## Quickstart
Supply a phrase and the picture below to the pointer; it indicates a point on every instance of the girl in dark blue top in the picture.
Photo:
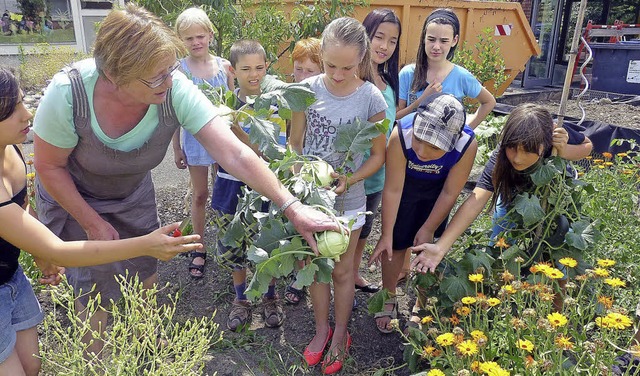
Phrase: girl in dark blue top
(19, 309)
(429, 158)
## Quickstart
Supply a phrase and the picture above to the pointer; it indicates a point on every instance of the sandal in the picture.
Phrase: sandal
(195, 267)
(411, 323)
(392, 315)
(293, 295)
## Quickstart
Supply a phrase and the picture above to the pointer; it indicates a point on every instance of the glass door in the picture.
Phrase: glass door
(545, 23)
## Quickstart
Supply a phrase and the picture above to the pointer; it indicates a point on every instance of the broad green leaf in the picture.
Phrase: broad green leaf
(583, 234)
(257, 255)
(511, 253)
(306, 274)
(529, 208)
(475, 259)
(543, 175)
(270, 235)
(264, 133)
(355, 137)
(456, 287)
(295, 97)
(234, 233)
(375, 303)
(325, 269)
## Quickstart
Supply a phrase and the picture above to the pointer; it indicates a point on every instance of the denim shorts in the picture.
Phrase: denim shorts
(19, 310)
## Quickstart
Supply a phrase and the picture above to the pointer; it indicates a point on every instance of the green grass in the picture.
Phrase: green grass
(56, 36)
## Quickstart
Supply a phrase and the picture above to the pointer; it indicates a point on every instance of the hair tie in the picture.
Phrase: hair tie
(447, 15)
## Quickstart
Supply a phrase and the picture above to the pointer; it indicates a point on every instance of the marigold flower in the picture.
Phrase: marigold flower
(463, 311)
(601, 272)
(509, 289)
(563, 342)
(553, 273)
(597, 161)
(29, 162)
(476, 278)
(468, 300)
(506, 276)
(569, 262)
(467, 347)
(502, 243)
(435, 372)
(31, 155)
(635, 350)
(626, 171)
(454, 320)
(618, 321)
(525, 345)
(493, 302)
(428, 351)
(607, 155)
(427, 320)
(517, 323)
(615, 282)
(608, 164)
(539, 267)
(529, 362)
(446, 339)
(31, 176)
(478, 334)
(601, 166)
(606, 301)
(546, 296)
(557, 319)
(606, 263)
(622, 155)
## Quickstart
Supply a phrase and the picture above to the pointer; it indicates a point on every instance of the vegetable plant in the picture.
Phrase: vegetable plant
(271, 241)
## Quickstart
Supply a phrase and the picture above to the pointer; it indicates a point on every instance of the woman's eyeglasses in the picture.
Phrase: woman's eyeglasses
(155, 83)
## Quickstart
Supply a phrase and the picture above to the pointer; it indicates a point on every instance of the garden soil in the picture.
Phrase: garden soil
(267, 351)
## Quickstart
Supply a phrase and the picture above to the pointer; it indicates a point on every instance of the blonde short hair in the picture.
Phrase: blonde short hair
(131, 41)
(308, 48)
(193, 16)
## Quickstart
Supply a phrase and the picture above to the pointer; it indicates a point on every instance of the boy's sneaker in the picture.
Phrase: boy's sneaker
(240, 315)
(272, 312)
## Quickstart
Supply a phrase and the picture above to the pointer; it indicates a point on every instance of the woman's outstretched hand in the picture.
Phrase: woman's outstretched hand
(308, 221)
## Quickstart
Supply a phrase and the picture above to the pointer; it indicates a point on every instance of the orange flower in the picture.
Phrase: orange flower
(463, 311)
(607, 155)
(502, 243)
(529, 362)
(606, 301)
(563, 342)
(506, 276)
(454, 320)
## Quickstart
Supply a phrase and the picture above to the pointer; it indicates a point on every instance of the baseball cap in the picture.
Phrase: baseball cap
(439, 121)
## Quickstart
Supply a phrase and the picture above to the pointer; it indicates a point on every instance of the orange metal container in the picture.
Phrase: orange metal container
(507, 20)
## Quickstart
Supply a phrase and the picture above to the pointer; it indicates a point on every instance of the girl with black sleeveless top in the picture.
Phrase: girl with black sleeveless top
(20, 311)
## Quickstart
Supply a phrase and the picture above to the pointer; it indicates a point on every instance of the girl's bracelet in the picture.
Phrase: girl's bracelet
(288, 203)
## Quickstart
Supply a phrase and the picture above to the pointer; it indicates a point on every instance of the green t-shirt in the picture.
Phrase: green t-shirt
(53, 121)
(375, 182)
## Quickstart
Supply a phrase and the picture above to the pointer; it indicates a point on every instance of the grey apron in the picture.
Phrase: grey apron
(118, 186)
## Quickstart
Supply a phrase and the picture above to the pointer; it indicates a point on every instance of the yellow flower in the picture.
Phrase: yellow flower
(557, 319)
(31, 175)
(601, 272)
(602, 322)
(635, 350)
(601, 166)
(435, 372)
(478, 335)
(476, 278)
(509, 289)
(609, 164)
(493, 302)
(468, 300)
(563, 342)
(597, 161)
(626, 171)
(525, 344)
(540, 267)
(568, 262)
(467, 347)
(553, 273)
(588, 157)
(463, 311)
(606, 263)
(502, 243)
(618, 321)
(427, 320)
(428, 351)
(446, 339)
(622, 155)
(606, 301)
(615, 282)
(31, 155)
(607, 155)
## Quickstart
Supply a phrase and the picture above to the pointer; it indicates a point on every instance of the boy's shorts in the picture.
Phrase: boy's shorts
(19, 310)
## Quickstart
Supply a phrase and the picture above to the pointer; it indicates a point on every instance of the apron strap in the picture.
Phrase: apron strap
(80, 100)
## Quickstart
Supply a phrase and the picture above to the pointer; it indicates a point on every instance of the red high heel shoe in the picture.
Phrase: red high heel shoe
(336, 365)
(313, 357)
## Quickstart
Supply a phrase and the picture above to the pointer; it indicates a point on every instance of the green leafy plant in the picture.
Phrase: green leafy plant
(277, 246)
(143, 338)
(43, 61)
(484, 60)
(487, 133)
